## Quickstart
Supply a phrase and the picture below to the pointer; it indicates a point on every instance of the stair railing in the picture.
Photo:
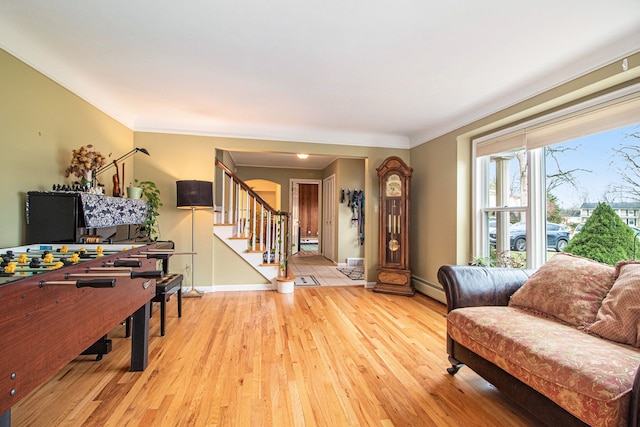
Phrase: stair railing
(265, 228)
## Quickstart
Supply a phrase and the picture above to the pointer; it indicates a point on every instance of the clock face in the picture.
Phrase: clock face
(393, 186)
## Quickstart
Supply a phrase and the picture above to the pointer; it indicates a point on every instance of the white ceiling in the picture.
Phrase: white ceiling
(280, 160)
(388, 73)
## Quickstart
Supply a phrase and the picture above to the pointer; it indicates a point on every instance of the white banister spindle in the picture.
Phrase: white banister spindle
(239, 209)
(243, 211)
(279, 237)
(222, 215)
(253, 225)
(269, 234)
(261, 240)
(231, 199)
(238, 201)
(246, 205)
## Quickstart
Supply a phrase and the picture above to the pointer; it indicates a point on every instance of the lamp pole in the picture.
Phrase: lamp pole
(193, 194)
(193, 293)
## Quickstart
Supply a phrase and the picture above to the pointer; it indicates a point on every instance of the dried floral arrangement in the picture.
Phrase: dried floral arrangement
(84, 159)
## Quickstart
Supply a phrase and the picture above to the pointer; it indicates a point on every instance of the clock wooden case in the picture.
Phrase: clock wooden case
(393, 273)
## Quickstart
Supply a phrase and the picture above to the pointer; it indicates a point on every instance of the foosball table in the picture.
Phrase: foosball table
(56, 302)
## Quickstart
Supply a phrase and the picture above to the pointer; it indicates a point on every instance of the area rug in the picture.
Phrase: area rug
(310, 247)
(306, 281)
(353, 273)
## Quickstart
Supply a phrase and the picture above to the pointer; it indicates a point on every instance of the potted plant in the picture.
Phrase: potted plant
(134, 191)
(149, 229)
(84, 162)
(285, 280)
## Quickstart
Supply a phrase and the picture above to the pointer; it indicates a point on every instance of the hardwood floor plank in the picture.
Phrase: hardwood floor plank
(322, 356)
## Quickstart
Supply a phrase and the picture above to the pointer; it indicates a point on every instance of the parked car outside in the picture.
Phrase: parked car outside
(557, 236)
(578, 228)
(492, 225)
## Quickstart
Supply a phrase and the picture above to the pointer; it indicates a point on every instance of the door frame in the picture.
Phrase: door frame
(294, 209)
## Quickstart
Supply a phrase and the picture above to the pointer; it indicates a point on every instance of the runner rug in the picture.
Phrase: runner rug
(354, 273)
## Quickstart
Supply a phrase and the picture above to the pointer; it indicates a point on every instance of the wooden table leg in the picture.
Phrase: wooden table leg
(140, 338)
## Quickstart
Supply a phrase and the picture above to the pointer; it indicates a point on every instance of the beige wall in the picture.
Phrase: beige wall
(230, 269)
(177, 157)
(350, 174)
(279, 176)
(269, 191)
(40, 123)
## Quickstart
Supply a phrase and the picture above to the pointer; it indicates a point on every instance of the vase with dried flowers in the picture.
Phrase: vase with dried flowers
(84, 162)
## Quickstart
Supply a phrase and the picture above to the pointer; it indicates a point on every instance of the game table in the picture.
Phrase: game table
(52, 313)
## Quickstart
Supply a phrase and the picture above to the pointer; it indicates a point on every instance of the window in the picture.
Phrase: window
(532, 186)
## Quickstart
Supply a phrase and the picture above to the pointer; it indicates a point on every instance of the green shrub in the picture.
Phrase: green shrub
(604, 237)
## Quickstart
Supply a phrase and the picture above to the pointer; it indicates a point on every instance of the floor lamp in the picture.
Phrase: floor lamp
(194, 195)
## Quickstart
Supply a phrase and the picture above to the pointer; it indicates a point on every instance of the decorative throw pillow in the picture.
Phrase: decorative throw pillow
(619, 317)
(568, 288)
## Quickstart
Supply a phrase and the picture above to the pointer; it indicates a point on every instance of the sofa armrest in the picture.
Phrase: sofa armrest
(634, 405)
(471, 286)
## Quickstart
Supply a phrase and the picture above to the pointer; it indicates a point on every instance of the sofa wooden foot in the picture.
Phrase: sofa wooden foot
(455, 366)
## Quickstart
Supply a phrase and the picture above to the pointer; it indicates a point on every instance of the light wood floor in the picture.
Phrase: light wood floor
(323, 356)
(306, 263)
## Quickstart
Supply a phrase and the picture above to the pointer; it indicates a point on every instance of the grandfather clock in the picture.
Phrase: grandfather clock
(393, 274)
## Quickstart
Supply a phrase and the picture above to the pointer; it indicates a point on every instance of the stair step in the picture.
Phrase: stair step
(239, 244)
(236, 237)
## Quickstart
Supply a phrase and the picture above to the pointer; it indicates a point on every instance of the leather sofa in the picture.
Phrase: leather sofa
(470, 288)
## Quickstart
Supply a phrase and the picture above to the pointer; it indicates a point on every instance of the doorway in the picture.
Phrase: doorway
(308, 213)
(305, 213)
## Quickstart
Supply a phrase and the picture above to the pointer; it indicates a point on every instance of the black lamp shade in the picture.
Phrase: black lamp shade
(198, 194)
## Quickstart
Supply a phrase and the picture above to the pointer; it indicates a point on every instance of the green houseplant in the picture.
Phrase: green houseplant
(150, 229)
(282, 240)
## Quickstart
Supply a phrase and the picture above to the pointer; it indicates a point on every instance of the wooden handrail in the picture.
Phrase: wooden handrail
(245, 186)
(246, 201)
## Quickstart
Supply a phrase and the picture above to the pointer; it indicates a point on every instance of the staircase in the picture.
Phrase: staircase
(252, 228)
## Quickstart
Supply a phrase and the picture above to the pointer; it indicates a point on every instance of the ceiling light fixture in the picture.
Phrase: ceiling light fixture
(303, 156)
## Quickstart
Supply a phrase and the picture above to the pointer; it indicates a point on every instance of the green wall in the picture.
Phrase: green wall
(40, 123)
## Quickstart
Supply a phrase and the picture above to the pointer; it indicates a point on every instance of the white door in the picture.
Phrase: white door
(329, 217)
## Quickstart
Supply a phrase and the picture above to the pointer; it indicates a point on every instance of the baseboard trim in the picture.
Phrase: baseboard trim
(241, 288)
(429, 289)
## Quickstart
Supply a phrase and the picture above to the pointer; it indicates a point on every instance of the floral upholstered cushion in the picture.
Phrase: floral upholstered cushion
(588, 376)
(619, 317)
(568, 288)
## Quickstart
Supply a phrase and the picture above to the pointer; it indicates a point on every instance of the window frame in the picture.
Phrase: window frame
(608, 112)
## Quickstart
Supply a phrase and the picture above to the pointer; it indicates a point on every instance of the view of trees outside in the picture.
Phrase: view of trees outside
(604, 167)
(604, 238)
(599, 168)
